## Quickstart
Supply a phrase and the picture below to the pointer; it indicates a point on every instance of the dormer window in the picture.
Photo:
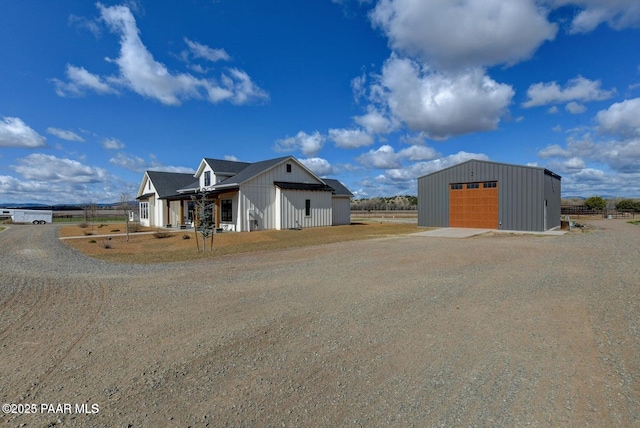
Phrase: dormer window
(207, 178)
(288, 167)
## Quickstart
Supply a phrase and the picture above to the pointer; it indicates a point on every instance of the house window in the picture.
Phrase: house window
(207, 178)
(473, 186)
(288, 167)
(307, 207)
(457, 186)
(144, 210)
(489, 184)
(226, 211)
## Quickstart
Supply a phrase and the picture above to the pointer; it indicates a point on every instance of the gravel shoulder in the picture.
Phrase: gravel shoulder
(504, 330)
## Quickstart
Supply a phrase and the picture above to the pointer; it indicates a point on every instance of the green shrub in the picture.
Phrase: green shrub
(115, 230)
(92, 241)
(83, 225)
(161, 235)
(185, 236)
(88, 233)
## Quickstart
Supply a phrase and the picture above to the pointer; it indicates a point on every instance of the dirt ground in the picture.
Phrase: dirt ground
(495, 330)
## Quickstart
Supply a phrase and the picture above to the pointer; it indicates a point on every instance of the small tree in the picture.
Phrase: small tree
(595, 203)
(127, 208)
(204, 219)
(91, 212)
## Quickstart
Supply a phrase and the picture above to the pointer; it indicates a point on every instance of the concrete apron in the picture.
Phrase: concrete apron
(462, 232)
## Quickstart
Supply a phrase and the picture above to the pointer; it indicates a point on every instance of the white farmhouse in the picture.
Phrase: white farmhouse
(277, 194)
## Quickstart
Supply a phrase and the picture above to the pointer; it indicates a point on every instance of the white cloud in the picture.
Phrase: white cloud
(577, 89)
(79, 80)
(350, 138)
(382, 158)
(374, 122)
(15, 133)
(112, 144)
(141, 73)
(65, 134)
(41, 167)
(319, 166)
(618, 14)
(553, 151)
(575, 108)
(205, 52)
(622, 119)
(386, 157)
(308, 144)
(138, 164)
(442, 105)
(464, 33)
(418, 153)
(553, 110)
(409, 174)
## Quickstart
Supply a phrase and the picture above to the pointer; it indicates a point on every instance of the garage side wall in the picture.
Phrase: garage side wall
(521, 192)
(552, 193)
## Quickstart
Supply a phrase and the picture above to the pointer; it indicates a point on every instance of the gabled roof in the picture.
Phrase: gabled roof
(339, 189)
(220, 166)
(166, 183)
(546, 171)
(252, 170)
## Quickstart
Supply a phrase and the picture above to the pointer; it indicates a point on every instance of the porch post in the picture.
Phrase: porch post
(217, 221)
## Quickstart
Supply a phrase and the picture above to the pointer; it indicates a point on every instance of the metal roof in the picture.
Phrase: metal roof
(286, 185)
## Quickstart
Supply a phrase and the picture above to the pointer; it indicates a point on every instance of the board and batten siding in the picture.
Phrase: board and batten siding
(255, 202)
(341, 210)
(258, 201)
(293, 205)
(522, 191)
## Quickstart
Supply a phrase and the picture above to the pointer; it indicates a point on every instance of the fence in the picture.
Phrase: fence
(81, 215)
(384, 213)
(578, 211)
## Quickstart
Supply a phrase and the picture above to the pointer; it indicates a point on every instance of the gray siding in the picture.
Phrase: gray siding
(521, 194)
(341, 210)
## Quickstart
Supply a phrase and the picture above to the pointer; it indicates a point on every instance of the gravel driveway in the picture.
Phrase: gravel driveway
(494, 330)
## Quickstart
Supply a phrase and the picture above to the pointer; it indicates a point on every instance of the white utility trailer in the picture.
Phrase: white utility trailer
(27, 216)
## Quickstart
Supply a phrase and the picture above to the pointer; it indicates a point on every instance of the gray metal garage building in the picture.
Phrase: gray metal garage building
(490, 195)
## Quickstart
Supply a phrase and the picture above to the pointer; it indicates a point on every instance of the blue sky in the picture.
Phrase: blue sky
(375, 93)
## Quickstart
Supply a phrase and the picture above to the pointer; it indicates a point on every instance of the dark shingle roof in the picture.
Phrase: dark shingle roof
(339, 189)
(166, 183)
(251, 171)
(220, 166)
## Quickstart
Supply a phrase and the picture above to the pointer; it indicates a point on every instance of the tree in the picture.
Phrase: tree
(595, 203)
(127, 208)
(204, 219)
(628, 205)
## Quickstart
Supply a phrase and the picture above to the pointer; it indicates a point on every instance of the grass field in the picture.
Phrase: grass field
(181, 245)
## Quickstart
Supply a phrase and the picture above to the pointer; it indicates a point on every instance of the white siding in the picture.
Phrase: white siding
(279, 173)
(292, 209)
(174, 213)
(341, 210)
(259, 201)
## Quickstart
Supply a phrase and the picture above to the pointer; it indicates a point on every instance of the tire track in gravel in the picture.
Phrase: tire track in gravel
(52, 307)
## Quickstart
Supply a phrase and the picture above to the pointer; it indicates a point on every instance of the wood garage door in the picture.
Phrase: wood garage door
(474, 205)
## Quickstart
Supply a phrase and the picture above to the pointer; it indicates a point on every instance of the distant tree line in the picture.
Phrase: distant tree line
(394, 203)
(598, 203)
